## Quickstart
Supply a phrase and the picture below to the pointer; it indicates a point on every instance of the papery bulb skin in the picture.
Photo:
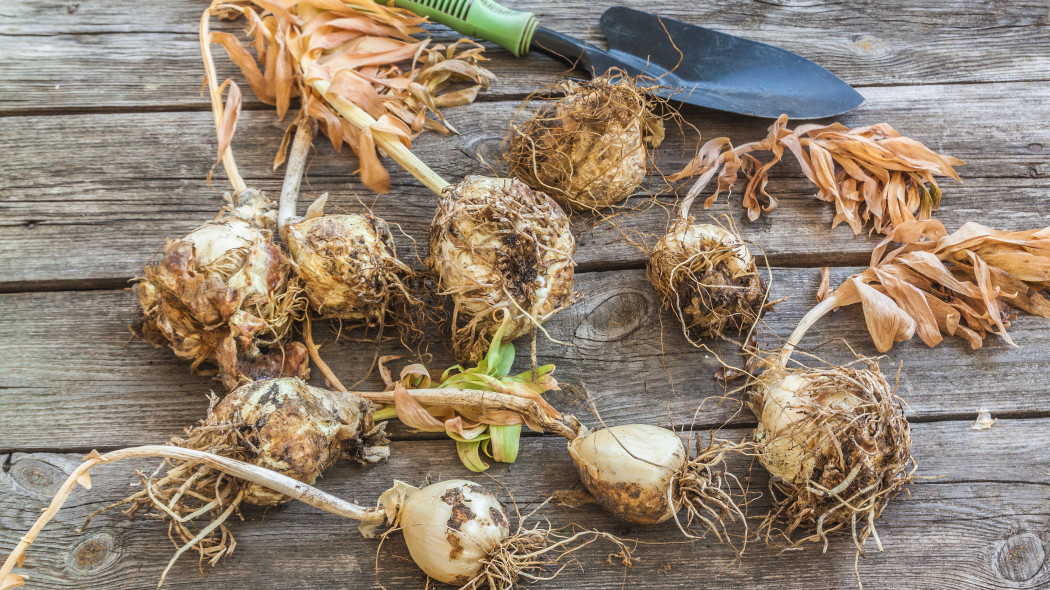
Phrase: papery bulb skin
(629, 470)
(450, 527)
(706, 275)
(290, 427)
(222, 294)
(589, 147)
(497, 247)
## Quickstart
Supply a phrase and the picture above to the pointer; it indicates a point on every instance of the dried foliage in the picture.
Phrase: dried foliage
(223, 294)
(350, 271)
(961, 284)
(873, 175)
(366, 52)
(706, 275)
(283, 425)
(588, 145)
(838, 447)
(503, 254)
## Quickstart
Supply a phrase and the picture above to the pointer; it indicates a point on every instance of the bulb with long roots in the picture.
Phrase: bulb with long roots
(706, 275)
(503, 254)
(224, 293)
(589, 147)
(283, 425)
(348, 263)
(836, 443)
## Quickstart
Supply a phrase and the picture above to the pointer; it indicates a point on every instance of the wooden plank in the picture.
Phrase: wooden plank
(982, 523)
(73, 379)
(94, 198)
(119, 55)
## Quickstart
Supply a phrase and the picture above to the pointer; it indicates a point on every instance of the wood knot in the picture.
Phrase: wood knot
(36, 477)
(869, 46)
(616, 317)
(1021, 557)
(483, 148)
(91, 553)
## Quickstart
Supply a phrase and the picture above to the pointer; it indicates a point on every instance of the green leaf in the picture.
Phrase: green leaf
(459, 368)
(469, 455)
(385, 413)
(505, 361)
(505, 441)
(500, 355)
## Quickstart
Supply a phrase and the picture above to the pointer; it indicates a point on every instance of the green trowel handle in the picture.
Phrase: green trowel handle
(510, 29)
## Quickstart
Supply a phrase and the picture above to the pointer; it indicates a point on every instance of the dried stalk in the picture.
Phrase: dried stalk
(246, 471)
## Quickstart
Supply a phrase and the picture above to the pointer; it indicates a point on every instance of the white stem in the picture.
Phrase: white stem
(216, 105)
(804, 325)
(246, 471)
(391, 144)
(705, 178)
(293, 174)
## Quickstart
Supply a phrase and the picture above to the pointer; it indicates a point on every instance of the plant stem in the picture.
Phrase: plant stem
(246, 471)
(711, 172)
(478, 399)
(293, 174)
(216, 105)
(804, 325)
(315, 356)
(391, 144)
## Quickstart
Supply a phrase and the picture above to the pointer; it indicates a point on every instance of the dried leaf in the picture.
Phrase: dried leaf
(412, 413)
(874, 176)
(13, 581)
(886, 321)
(230, 112)
(84, 480)
(958, 284)
(825, 284)
(368, 53)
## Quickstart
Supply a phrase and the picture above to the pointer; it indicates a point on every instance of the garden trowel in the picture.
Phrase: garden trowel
(683, 62)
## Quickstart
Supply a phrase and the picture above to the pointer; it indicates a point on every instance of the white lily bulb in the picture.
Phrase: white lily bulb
(450, 527)
(629, 468)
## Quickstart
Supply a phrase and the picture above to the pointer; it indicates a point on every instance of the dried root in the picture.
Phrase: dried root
(499, 251)
(588, 148)
(283, 425)
(705, 490)
(705, 274)
(223, 294)
(536, 553)
(838, 447)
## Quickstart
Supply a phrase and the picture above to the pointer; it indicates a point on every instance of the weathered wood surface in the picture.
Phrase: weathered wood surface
(975, 526)
(75, 381)
(114, 186)
(107, 141)
(127, 57)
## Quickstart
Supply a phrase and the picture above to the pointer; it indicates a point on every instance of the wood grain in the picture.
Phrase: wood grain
(118, 55)
(960, 530)
(107, 141)
(93, 199)
(71, 373)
